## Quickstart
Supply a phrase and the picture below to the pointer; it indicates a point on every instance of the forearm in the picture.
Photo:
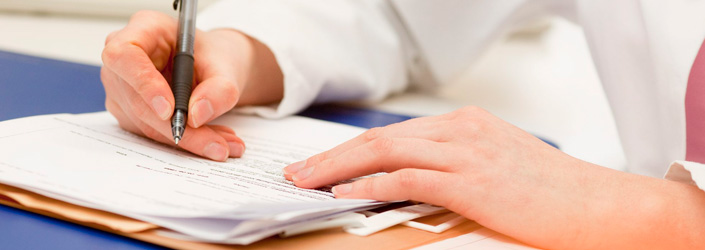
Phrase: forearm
(598, 208)
(639, 212)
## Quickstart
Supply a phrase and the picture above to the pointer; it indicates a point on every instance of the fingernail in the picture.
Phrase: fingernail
(236, 149)
(342, 189)
(303, 174)
(161, 107)
(215, 151)
(294, 167)
(201, 112)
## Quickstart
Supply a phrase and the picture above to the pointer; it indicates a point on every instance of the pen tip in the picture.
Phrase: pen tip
(178, 124)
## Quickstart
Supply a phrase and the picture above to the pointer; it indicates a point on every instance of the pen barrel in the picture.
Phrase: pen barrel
(187, 26)
(182, 80)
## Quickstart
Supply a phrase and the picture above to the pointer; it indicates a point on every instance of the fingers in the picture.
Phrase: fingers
(423, 128)
(236, 145)
(380, 155)
(210, 99)
(206, 142)
(216, 67)
(152, 31)
(215, 142)
(122, 119)
(130, 101)
(126, 123)
(136, 61)
(110, 37)
(137, 53)
(140, 75)
(407, 184)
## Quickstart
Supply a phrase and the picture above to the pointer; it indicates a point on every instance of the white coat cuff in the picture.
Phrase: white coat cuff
(692, 173)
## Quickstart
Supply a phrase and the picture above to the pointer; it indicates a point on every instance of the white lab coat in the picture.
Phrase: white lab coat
(366, 49)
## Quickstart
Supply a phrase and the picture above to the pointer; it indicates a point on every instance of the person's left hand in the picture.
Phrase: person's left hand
(468, 161)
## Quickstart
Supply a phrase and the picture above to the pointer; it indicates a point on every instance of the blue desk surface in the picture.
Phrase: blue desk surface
(35, 86)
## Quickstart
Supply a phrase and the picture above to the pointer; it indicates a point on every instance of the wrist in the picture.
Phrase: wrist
(634, 211)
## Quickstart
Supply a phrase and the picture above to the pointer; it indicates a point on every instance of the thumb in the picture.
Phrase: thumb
(210, 99)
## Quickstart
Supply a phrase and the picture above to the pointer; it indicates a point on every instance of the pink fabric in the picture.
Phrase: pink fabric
(695, 110)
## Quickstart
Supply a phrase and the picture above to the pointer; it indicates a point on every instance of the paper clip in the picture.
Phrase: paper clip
(378, 222)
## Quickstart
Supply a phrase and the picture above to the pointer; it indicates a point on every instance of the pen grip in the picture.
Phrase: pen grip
(182, 80)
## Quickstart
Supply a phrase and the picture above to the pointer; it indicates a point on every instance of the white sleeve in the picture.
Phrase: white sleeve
(327, 50)
(688, 172)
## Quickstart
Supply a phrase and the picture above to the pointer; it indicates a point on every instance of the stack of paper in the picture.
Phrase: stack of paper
(89, 161)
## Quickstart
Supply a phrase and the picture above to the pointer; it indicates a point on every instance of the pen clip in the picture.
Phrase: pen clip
(176, 4)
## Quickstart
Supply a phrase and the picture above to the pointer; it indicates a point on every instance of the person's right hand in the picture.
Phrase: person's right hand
(137, 62)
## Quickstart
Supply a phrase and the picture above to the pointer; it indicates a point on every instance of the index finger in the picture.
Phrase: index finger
(422, 128)
(136, 53)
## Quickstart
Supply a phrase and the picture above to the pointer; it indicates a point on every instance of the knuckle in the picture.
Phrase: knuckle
(467, 112)
(130, 127)
(229, 87)
(142, 88)
(419, 187)
(327, 164)
(109, 80)
(407, 179)
(111, 53)
(138, 110)
(110, 107)
(148, 18)
(231, 92)
(110, 36)
(224, 129)
(470, 119)
(143, 14)
(382, 146)
(160, 62)
(146, 86)
(316, 159)
(127, 126)
(472, 110)
(368, 186)
(150, 132)
(104, 76)
(473, 126)
(373, 133)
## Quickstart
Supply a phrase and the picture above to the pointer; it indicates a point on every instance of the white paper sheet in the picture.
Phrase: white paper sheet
(88, 160)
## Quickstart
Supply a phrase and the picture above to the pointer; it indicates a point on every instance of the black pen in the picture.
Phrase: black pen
(182, 73)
